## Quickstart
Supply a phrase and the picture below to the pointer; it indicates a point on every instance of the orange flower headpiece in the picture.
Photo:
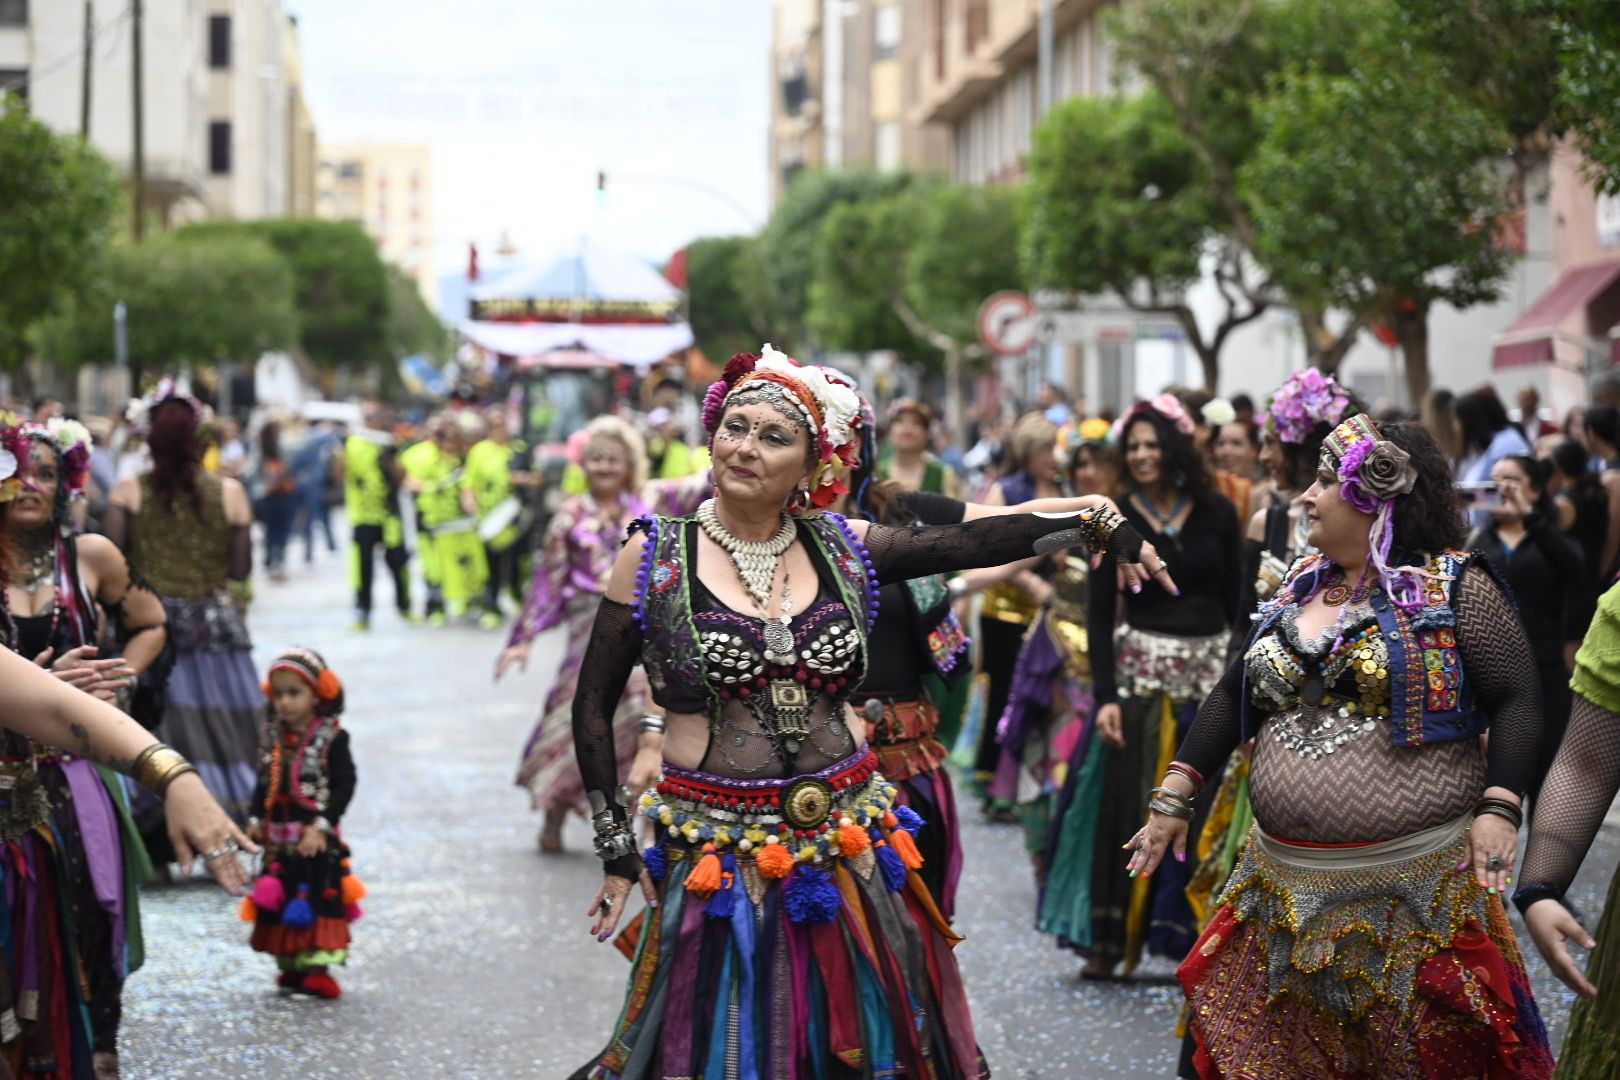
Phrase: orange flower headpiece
(310, 666)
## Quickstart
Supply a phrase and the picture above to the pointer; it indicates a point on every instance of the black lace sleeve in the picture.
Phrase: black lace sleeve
(240, 565)
(610, 657)
(1218, 727)
(900, 554)
(1498, 661)
(1579, 790)
(340, 776)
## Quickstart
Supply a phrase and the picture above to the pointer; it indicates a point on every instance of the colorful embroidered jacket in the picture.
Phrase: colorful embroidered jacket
(1430, 700)
(675, 665)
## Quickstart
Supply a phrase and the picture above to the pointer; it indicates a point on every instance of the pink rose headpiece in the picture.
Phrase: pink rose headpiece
(1372, 473)
(1304, 400)
(1166, 405)
(69, 440)
(822, 400)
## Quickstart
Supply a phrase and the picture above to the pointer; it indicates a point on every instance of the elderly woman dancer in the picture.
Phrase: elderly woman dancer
(582, 540)
(792, 936)
(1361, 933)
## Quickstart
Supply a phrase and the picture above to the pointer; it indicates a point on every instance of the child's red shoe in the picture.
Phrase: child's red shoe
(322, 985)
(291, 981)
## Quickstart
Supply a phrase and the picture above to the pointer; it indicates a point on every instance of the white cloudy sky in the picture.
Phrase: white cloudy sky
(522, 101)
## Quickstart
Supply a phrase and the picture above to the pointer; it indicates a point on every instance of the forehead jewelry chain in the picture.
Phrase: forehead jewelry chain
(755, 560)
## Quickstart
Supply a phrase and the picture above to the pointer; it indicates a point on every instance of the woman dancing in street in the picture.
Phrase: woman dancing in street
(1361, 933)
(1580, 788)
(59, 588)
(1149, 677)
(791, 935)
(582, 540)
(188, 536)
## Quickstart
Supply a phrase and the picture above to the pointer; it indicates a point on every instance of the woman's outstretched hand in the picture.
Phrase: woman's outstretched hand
(199, 827)
(1552, 928)
(1161, 834)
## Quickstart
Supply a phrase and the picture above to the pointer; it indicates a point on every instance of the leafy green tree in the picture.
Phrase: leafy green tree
(187, 301)
(1364, 203)
(1118, 201)
(723, 321)
(908, 272)
(59, 199)
(413, 327)
(340, 283)
(1588, 81)
(782, 260)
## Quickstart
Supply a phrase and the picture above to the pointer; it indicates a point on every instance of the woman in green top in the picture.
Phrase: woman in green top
(1574, 800)
(906, 459)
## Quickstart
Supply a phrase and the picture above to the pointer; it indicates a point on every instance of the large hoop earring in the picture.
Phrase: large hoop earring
(799, 503)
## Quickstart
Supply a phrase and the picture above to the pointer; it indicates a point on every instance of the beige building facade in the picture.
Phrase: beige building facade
(223, 112)
(388, 191)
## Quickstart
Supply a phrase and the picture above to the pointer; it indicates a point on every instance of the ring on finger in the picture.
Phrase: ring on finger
(1494, 862)
(217, 853)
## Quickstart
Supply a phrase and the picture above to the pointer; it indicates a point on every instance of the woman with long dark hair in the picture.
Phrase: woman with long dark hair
(1362, 932)
(1151, 668)
(187, 535)
(70, 859)
(1543, 568)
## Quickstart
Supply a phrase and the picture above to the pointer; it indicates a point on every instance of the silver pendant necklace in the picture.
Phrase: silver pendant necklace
(41, 570)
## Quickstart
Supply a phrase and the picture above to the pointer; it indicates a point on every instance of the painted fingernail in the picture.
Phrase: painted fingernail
(1133, 873)
(1126, 846)
(1174, 591)
(1181, 856)
(652, 903)
(1136, 588)
(1491, 889)
(1462, 866)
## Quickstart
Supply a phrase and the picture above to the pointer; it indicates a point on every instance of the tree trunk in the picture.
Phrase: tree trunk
(1325, 350)
(1410, 320)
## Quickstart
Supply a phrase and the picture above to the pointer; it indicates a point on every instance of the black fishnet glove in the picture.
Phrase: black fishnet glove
(1575, 798)
(900, 554)
(1498, 661)
(610, 657)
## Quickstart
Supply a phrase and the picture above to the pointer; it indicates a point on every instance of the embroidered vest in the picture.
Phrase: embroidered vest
(663, 602)
(1431, 700)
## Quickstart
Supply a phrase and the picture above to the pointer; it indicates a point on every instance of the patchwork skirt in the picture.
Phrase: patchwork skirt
(793, 938)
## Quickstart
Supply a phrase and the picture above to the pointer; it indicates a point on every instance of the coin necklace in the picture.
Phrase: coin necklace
(755, 562)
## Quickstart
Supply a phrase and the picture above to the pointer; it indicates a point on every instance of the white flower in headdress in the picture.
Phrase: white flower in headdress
(840, 404)
(8, 464)
(68, 433)
(1218, 412)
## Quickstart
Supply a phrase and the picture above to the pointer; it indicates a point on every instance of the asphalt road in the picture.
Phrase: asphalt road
(473, 960)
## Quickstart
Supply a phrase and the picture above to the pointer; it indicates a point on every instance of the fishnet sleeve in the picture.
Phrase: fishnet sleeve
(1575, 799)
(900, 554)
(610, 656)
(1497, 660)
(1218, 727)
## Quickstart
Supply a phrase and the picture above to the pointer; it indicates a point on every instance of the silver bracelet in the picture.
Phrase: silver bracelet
(652, 725)
(957, 588)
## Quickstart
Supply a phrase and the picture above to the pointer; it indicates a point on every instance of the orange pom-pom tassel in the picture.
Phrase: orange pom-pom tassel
(249, 911)
(265, 686)
(328, 686)
(905, 847)
(705, 877)
(890, 821)
(354, 890)
(852, 840)
(774, 861)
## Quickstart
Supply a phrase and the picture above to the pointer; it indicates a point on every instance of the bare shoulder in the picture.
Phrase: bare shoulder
(858, 526)
(98, 552)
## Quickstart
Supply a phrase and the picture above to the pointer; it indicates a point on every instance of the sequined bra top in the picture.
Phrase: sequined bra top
(733, 645)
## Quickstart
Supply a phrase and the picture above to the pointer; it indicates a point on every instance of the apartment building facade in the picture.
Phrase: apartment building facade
(223, 112)
(388, 191)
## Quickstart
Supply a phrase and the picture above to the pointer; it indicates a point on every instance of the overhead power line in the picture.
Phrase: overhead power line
(41, 71)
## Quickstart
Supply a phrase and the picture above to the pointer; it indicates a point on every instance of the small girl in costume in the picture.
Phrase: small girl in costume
(302, 905)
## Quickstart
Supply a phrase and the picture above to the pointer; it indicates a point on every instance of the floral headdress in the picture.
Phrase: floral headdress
(139, 413)
(1218, 412)
(1306, 399)
(70, 441)
(1167, 406)
(1373, 472)
(822, 399)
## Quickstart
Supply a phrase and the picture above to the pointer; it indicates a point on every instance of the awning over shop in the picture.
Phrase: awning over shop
(636, 345)
(1532, 337)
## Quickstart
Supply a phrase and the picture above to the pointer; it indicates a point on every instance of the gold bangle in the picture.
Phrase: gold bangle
(158, 766)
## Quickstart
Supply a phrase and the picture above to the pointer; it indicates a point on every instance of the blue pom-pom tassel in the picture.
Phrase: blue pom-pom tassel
(811, 896)
(724, 901)
(909, 819)
(894, 870)
(656, 862)
(298, 914)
